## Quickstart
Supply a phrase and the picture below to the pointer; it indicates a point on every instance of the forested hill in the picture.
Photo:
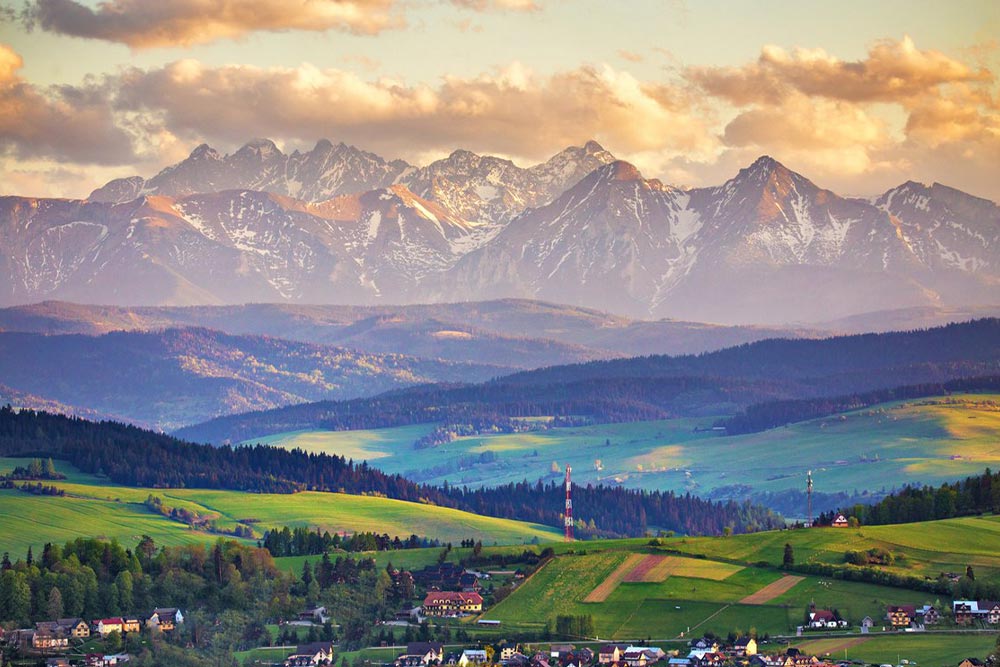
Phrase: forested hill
(973, 495)
(659, 387)
(135, 457)
(966, 343)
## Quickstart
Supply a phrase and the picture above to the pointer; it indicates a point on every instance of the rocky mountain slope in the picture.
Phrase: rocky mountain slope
(338, 225)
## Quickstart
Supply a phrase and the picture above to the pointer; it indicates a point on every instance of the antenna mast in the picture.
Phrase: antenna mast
(809, 497)
(568, 515)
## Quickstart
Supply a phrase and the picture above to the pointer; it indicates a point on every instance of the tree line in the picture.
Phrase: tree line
(300, 541)
(977, 494)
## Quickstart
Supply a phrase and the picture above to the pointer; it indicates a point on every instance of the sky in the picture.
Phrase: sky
(857, 96)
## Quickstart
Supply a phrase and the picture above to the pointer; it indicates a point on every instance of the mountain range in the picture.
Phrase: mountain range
(340, 225)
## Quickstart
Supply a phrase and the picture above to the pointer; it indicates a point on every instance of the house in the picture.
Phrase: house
(48, 636)
(469, 583)
(439, 603)
(986, 611)
(822, 618)
(57, 662)
(609, 653)
(131, 624)
(705, 644)
(971, 662)
(428, 652)
(745, 647)
(165, 619)
(507, 652)
(315, 615)
(930, 615)
(901, 616)
(100, 660)
(516, 660)
(965, 611)
(866, 624)
(77, 628)
(106, 626)
(840, 521)
(557, 650)
(473, 657)
(714, 659)
(317, 653)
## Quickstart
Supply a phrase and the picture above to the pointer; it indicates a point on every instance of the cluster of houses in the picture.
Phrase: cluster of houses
(702, 652)
(57, 635)
(912, 617)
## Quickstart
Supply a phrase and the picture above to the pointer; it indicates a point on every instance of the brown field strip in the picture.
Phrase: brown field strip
(608, 586)
(772, 590)
(654, 569)
(648, 569)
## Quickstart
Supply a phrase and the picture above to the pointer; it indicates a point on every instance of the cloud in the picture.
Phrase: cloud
(61, 122)
(860, 124)
(140, 24)
(893, 71)
(498, 5)
(511, 111)
(630, 56)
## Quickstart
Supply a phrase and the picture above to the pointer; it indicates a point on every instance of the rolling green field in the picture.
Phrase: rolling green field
(94, 507)
(684, 604)
(921, 549)
(926, 440)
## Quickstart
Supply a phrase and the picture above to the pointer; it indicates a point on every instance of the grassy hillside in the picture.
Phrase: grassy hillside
(928, 440)
(93, 507)
(719, 585)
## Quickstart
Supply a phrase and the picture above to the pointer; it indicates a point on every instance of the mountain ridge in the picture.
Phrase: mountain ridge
(768, 246)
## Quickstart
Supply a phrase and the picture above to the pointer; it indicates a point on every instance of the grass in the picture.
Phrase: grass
(31, 521)
(928, 441)
(926, 650)
(921, 549)
(93, 507)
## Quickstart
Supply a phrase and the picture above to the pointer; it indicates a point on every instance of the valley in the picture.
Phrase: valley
(876, 449)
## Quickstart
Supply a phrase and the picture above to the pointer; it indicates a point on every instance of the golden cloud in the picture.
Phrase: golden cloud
(141, 24)
(65, 123)
(894, 71)
(511, 111)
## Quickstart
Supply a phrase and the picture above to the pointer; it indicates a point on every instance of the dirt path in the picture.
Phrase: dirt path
(771, 591)
(608, 586)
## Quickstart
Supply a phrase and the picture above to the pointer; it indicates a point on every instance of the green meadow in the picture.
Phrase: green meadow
(926, 441)
(921, 549)
(677, 605)
(93, 507)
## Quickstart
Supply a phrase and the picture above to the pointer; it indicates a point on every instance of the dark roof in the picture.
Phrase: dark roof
(313, 648)
(423, 648)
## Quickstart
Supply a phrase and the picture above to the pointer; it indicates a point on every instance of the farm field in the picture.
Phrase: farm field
(694, 596)
(927, 548)
(925, 440)
(93, 507)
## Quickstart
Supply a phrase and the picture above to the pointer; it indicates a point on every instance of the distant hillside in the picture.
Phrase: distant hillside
(136, 457)
(518, 333)
(658, 387)
(166, 379)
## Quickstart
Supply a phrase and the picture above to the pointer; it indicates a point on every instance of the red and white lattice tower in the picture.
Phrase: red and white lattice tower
(568, 515)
